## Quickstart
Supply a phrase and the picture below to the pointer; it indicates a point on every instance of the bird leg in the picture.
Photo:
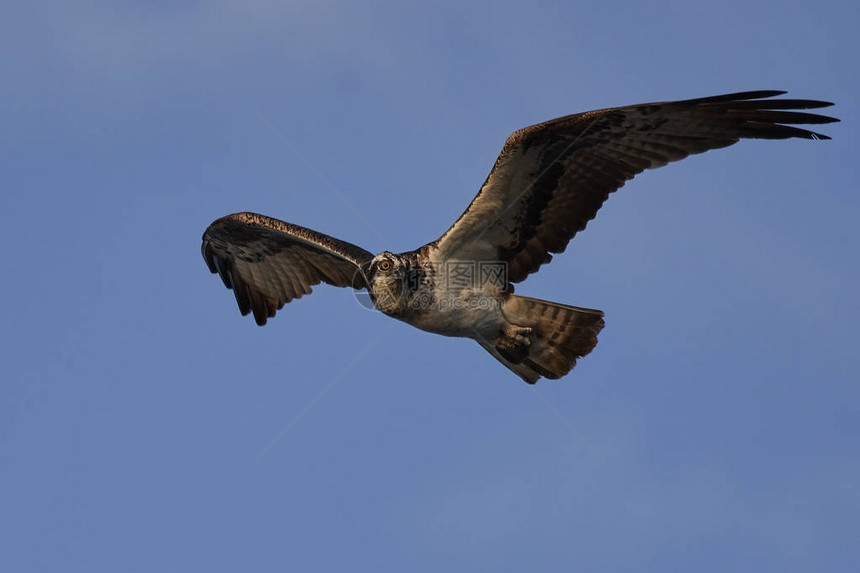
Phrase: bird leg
(514, 336)
(513, 343)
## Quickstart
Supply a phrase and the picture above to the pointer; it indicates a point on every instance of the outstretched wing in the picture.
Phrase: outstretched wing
(268, 263)
(550, 179)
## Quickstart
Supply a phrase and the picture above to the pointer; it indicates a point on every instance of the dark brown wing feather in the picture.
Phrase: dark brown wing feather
(550, 179)
(268, 263)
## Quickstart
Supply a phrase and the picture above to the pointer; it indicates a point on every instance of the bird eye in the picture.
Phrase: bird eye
(385, 266)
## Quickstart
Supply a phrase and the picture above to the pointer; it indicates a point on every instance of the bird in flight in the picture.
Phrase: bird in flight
(549, 180)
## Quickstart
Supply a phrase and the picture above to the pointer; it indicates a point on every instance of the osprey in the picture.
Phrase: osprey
(549, 180)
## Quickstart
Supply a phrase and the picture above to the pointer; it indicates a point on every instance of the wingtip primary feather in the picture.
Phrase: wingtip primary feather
(736, 96)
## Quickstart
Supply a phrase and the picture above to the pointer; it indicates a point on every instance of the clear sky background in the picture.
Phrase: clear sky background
(146, 426)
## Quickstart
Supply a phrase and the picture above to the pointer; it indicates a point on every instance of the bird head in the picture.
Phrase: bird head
(386, 280)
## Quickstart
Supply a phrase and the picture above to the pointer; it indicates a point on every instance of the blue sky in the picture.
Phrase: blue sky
(146, 426)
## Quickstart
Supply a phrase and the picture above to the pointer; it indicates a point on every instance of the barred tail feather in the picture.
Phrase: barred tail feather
(560, 334)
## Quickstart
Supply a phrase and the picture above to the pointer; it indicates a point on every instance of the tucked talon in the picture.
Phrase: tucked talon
(515, 336)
